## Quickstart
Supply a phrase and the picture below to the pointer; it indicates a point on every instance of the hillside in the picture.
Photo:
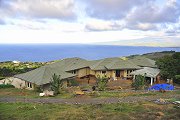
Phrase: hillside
(155, 55)
(10, 68)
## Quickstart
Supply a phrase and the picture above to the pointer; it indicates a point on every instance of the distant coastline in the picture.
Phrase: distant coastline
(49, 52)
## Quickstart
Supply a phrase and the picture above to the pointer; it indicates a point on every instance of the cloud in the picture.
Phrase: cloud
(2, 22)
(103, 26)
(151, 13)
(110, 9)
(58, 9)
(173, 31)
(138, 14)
(142, 26)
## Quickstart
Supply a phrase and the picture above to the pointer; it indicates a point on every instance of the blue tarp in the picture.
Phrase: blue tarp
(164, 86)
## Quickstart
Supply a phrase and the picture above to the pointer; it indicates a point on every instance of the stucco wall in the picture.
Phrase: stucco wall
(107, 74)
(113, 73)
(18, 83)
(83, 72)
(92, 72)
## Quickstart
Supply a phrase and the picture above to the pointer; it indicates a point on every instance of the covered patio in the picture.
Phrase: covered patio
(152, 73)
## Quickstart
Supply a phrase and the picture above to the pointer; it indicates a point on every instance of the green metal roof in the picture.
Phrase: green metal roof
(143, 61)
(43, 75)
(122, 65)
(69, 64)
(150, 72)
(113, 63)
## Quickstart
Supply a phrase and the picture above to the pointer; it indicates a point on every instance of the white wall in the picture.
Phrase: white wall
(18, 83)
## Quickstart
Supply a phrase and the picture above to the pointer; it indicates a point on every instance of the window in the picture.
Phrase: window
(29, 85)
(74, 72)
(103, 72)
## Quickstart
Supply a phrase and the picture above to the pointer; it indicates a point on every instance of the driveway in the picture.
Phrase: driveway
(80, 100)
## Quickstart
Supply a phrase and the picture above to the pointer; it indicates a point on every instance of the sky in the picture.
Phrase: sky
(90, 21)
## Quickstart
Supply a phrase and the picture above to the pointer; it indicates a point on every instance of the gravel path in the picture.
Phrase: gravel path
(128, 99)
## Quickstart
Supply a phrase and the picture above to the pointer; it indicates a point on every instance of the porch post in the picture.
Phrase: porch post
(134, 76)
(151, 80)
(155, 79)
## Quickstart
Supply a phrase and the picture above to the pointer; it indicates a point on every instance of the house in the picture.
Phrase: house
(68, 69)
(114, 68)
(149, 69)
(42, 76)
(78, 68)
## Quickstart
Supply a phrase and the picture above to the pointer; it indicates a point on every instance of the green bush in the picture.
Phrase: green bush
(56, 84)
(101, 82)
(6, 86)
(1, 78)
(38, 89)
(73, 83)
(177, 79)
(139, 82)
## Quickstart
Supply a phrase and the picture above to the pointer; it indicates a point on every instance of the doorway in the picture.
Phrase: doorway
(117, 73)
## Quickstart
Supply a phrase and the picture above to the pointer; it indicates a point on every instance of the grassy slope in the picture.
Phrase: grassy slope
(155, 55)
(27, 111)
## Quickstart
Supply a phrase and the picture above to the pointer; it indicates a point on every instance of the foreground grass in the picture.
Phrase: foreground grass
(19, 93)
(27, 111)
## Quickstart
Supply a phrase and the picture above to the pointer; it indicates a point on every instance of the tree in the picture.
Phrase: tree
(169, 66)
(56, 84)
(101, 82)
(177, 79)
(139, 82)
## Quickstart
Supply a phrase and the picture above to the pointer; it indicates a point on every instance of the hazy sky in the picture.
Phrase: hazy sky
(87, 21)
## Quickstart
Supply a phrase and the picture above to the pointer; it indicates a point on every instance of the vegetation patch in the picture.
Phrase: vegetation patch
(6, 86)
(148, 111)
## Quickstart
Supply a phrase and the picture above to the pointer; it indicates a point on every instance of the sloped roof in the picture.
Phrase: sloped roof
(113, 63)
(43, 75)
(122, 65)
(101, 64)
(150, 72)
(143, 61)
(69, 64)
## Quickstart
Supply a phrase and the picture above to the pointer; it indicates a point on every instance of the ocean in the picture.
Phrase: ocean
(49, 52)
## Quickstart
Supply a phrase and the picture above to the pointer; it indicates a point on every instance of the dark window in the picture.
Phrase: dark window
(117, 73)
(103, 72)
(29, 85)
(74, 72)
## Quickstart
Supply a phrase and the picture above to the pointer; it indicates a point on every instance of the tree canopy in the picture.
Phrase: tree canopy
(169, 65)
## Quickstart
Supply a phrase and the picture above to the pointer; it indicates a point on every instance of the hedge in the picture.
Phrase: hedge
(6, 86)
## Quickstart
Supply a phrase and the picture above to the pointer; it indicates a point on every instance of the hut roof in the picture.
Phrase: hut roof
(147, 71)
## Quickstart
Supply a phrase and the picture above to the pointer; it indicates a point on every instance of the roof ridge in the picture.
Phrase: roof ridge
(43, 74)
(113, 63)
(96, 64)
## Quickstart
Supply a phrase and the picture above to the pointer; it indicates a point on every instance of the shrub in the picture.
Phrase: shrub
(177, 79)
(6, 86)
(101, 82)
(1, 78)
(139, 82)
(73, 83)
(56, 84)
(38, 89)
